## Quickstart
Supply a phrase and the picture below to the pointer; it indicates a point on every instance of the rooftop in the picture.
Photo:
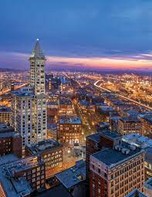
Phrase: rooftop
(4, 127)
(148, 118)
(55, 191)
(148, 184)
(148, 155)
(73, 175)
(69, 120)
(104, 133)
(7, 159)
(136, 193)
(15, 187)
(106, 109)
(7, 131)
(43, 146)
(113, 157)
(20, 165)
(4, 109)
(130, 119)
(103, 124)
(65, 101)
(95, 137)
(25, 91)
(110, 134)
(138, 140)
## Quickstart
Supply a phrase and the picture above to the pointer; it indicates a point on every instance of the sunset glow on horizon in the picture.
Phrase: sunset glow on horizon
(101, 62)
(118, 63)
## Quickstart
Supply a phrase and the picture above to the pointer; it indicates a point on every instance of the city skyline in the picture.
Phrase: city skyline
(75, 98)
(96, 35)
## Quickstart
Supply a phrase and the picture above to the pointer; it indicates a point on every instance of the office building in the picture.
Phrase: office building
(116, 171)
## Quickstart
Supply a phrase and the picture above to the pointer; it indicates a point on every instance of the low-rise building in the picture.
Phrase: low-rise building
(144, 143)
(10, 141)
(50, 151)
(65, 106)
(70, 129)
(22, 177)
(5, 115)
(129, 125)
(73, 179)
(146, 125)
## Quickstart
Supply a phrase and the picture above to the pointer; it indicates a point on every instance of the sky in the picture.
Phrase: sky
(98, 34)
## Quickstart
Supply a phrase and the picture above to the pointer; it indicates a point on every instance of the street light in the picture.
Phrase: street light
(69, 151)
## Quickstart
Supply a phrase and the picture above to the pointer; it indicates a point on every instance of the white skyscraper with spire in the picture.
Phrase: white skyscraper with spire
(37, 74)
(29, 103)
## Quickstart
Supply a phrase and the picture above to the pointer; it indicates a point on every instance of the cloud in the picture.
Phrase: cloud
(119, 62)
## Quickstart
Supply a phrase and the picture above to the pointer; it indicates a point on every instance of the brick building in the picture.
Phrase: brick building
(50, 151)
(100, 140)
(146, 125)
(129, 125)
(116, 171)
(5, 115)
(69, 129)
(22, 177)
(10, 141)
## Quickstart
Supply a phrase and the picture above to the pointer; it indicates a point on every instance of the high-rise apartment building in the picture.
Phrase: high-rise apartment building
(29, 104)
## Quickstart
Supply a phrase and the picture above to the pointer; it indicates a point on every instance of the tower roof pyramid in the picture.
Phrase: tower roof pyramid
(37, 52)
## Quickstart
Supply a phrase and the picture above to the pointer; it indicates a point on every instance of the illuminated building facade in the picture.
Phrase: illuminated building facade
(10, 141)
(69, 129)
(22, 177)
(50, 151)
(5, 115)
(116, 172)
(29, 104)
(128, 125)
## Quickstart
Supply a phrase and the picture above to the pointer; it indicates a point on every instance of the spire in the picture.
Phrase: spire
(37, 52)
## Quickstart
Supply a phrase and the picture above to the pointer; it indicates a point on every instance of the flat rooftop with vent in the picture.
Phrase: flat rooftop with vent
(5, 128)
(12, 181)
(43, 146)
(21, 165)
(73, 175)
(4, 109)
(7, 131)
(23, 92)
(138, 140)
(70, 120)
(120, 153)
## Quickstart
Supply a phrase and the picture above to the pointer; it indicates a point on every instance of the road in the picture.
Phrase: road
(126, 98)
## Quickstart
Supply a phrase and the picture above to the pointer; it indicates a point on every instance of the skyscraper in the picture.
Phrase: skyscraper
(37, 74)
(29, 103)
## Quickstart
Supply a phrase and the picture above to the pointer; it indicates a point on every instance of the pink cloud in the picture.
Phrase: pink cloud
(141, 61)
